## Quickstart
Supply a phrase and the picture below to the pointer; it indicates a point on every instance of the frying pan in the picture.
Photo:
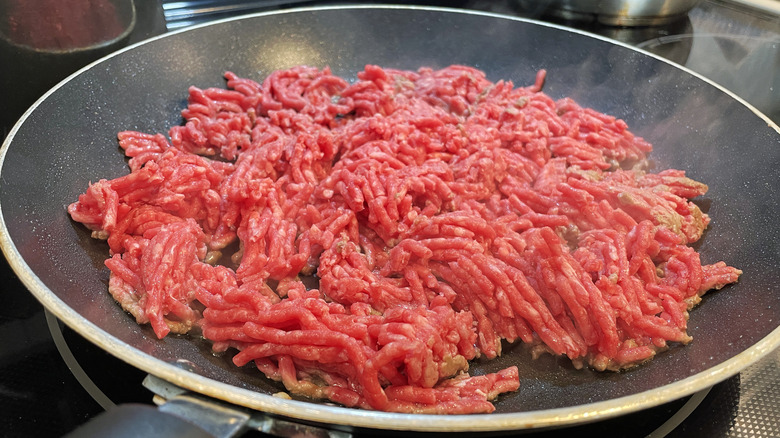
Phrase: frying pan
(68, 138)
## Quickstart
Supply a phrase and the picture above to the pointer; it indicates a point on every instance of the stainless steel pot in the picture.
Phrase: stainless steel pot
(615, 12)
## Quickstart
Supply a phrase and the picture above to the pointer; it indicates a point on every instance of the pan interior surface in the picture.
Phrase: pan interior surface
(68, 139)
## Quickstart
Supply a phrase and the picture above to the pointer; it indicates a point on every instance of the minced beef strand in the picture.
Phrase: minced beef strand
(362, 241)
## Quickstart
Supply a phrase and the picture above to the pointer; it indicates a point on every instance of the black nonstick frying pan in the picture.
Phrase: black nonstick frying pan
(68, 138)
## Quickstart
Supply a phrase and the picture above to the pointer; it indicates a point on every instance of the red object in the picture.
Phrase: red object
(441, 214)
(61, 24)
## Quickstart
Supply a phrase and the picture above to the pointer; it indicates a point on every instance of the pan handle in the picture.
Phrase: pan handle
(138, 421)
(225, 420)
(185, 414)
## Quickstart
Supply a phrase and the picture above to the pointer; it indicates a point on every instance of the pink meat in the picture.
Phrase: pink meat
(361, 242)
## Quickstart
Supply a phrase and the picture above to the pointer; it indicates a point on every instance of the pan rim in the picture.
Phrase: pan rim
(326, 414)
(342, 416)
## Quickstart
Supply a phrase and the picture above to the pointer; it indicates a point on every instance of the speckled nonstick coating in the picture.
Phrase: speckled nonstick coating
(68, 138)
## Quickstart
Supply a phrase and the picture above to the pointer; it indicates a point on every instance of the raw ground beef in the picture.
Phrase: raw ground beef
(362, 241)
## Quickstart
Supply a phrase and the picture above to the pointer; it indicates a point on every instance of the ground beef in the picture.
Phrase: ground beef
(362, 241)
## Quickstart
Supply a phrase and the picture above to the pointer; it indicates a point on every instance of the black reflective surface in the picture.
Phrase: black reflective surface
(35, 379)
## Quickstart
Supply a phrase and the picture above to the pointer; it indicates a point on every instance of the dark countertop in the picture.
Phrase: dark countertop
(46, 393)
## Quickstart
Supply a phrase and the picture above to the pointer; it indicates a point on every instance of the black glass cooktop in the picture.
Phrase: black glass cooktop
(52, 381)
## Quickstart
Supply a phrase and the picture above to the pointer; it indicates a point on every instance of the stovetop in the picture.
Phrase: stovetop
(52, 381)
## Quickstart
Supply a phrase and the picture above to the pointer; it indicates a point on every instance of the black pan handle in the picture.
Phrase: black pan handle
(225, 420)
(138, 421)
(182, 413)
